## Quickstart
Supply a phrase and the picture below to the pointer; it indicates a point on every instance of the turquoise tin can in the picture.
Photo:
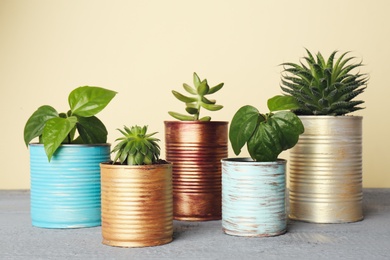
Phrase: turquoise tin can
(65, 192)
(253, 197)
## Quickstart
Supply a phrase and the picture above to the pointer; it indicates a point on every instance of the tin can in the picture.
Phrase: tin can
(326, 170)
(196, 148)
(136, 205)
(253, 197)
(65, 192)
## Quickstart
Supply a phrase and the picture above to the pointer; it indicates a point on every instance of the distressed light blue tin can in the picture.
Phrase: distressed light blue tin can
(253, 197)
(65, 192)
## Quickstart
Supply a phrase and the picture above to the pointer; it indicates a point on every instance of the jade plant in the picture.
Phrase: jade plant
(54, 128)
(324, 87)
(137, 147)
(266, 135)
(197, 100)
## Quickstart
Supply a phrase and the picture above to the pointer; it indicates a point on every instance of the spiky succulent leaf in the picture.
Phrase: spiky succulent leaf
(324, 87)
(136, 147)
(194, 104)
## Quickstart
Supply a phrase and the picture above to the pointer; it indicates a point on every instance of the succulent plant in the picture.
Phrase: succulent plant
(136, 147)
(324, 87)
(195, 103)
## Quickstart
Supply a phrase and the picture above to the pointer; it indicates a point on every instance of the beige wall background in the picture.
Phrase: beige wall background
(144, 49)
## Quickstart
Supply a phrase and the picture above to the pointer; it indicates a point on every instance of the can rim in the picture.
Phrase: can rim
(74, 145)
(249, 161)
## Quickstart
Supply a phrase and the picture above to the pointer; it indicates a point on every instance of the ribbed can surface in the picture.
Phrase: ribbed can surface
(253, 197)
(65, 192)
(136, 205)
(196, 148)
(326, 170)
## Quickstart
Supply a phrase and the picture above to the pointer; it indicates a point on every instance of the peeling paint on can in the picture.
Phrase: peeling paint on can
(196, 148)
(65, 192)
(326, 171)
(253, 197)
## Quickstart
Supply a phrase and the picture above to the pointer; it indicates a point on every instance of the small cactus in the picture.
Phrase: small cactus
(136, 147)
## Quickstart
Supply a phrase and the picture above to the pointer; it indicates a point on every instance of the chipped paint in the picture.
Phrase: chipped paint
(253, 197)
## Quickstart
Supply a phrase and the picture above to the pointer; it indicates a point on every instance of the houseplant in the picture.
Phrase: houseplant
(253, 189)
(136, 192)
(65, 176)
(326, 164)
(195, 145)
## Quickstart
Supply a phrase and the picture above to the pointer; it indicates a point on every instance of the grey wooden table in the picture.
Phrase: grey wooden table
(367, 239)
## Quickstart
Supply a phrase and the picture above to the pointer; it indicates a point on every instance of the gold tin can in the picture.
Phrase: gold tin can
(196, 148)
(326, 170)
(136, 204)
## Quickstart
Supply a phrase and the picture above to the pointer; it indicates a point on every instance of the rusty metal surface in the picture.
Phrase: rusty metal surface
(196, 148)
(326, 170)
(136, 205)
(253, 197)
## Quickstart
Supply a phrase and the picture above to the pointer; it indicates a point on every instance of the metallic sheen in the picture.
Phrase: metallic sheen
(196, 148)
(136, 205)
(65, 192)
(326, 170)
(253, 197)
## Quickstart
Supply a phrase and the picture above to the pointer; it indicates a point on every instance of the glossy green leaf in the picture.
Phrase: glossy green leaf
(264, 144)
(88, 101)
(36, 122)
(242, 126)
(288, 126)
(91, 130)
(278, 133)
(55, 132)
(277, 103)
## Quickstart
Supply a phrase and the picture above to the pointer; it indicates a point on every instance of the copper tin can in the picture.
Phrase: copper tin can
(196, 148)
(136, 205)
(326, 170)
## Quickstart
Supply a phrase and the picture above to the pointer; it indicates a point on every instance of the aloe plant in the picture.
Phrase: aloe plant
(266, 135)
(54, 128)
(197, 101)
(136, 147)
(324, 87)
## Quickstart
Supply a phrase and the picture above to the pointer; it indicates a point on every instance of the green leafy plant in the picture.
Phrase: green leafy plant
(54, 129)
(266, 135)
(324, 87)
(136, 147)
(198, 100)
